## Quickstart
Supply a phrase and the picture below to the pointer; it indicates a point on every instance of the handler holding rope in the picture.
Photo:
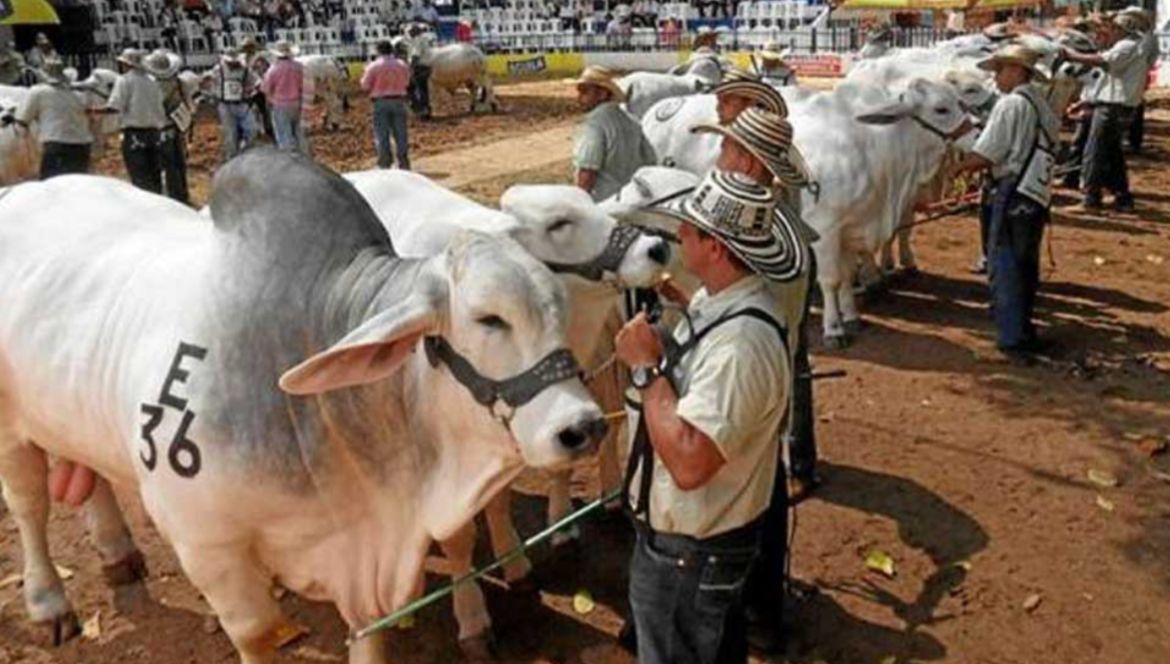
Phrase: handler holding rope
(1016, 145)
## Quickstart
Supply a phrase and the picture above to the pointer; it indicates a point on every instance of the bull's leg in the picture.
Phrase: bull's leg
(502, 532)
(370, 650)
(239, 592)
(560, 504)
(24, 471)
(906, 256)
(834, 333)
(122, 563)
(847, 301)
(475, 625)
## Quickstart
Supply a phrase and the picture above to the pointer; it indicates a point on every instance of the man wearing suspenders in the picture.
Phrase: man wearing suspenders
(180, 109)
(711, 401)
(232, 85)
(1016, 145)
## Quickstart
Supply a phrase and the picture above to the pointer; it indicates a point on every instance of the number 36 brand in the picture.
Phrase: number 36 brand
(183, 455)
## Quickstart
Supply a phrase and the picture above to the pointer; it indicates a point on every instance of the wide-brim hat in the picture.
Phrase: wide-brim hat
(602, 77)
(745, 217)
(999, 31)
(163, 64)
(746, 84)
(773, 51)
(285, 49)
(132, 57)
(705, 33)
(879, 34)
(1014, 54)
(1131, 22)
(768, 137)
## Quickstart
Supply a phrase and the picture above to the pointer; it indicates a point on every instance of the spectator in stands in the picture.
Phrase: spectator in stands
(138, 100)
(619, 31)
(645, 13)
(570, 16)
(284, 88)
(463, 31)
(709, 8)
(385, 80)
(668, 36)
(11, 65)
(41, 52)
(164, 66)
(611, 145)
(426, 13)
(59, 115)
(232, 86)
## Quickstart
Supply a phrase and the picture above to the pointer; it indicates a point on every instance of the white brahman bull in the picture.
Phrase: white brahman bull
(455, 66)
(292, 399)
(326, 80)
(562, 227)
(645, 88)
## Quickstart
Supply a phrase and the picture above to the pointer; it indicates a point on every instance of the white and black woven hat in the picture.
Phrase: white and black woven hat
(745, 217)
(746, 84)
(768, 136)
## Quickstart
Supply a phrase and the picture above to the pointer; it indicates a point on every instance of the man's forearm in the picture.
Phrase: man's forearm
(689, 456)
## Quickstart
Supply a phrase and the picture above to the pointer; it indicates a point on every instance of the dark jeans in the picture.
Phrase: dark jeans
(63, 158)
(686, 596)
(1016, 231)
(1075, 160)
(420, 90)
(143, 158)
(1104, 158)
(174, 165)
(767, 585)
(1137, 128)
(802, 445)
(390, 120)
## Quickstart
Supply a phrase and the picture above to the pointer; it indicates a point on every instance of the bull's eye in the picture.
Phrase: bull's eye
(559, 225)
(941, 110)
(493, 322)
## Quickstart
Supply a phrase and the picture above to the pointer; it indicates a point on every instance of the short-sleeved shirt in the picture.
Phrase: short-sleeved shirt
(386, 77)
(1007, 139)
(611, 142)
(232, 84)
(59, 114)
(1150, 49)
(733, 387)
(284, 84)
(139, 100)
(1125, 73)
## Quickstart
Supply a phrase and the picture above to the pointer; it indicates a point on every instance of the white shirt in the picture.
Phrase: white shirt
(1007, 139)
(1125, 73)
(611, 143)
(734, 387)
(139, 100)
(58, 113)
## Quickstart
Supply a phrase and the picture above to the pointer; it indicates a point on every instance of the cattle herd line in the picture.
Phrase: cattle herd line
(259, 352)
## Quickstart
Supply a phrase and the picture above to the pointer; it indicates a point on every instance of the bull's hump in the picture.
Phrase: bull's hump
(284, 202)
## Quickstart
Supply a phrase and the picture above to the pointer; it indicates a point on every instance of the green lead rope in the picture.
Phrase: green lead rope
(438, 594)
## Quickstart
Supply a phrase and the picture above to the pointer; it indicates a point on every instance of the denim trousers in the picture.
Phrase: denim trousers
(143, 158)
(390, 121)
(1013, 262)
(174, 165)
(1104, 157)
(237, 127)
(63, 158)
(686, 596)
(288, 130)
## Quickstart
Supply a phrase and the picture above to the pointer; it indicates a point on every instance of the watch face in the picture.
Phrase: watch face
(640, 376)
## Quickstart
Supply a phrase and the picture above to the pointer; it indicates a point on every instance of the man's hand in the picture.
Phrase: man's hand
(673, 292)
(637, 343)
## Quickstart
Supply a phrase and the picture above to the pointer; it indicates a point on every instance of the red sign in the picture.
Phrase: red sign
(817, 66)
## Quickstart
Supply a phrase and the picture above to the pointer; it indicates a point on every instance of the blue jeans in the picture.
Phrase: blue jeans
(390, 119)
(1104, 157)
(1016, 229)
(686, 596)
(237, 127)
(289, 130)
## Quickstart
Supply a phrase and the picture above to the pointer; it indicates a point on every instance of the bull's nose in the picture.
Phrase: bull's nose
(577, 438)
(660, 253)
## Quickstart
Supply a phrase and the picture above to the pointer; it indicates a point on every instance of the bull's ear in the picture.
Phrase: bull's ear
(887, 113)
(373, 351)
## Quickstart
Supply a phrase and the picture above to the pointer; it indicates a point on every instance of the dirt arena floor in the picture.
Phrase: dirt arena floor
(1026, 509)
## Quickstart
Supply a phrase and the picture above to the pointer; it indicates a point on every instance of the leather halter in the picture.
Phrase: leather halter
(607, 262)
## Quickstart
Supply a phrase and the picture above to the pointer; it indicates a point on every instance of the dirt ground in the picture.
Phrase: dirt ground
(972, 475)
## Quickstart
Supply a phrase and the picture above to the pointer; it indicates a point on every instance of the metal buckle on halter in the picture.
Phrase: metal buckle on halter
(608, 262)
(502, 412)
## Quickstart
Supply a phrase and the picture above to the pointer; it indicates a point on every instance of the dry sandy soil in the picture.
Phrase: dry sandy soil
(971, 474)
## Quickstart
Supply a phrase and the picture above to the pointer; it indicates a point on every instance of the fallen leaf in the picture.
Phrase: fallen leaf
(92, 629)
(583, 602)
(1097, 260)
(406, 623)
(1152, 447)
(1104, 503)
(1032, 601)
(1130, 435)
(1103, 478)
(889, 659)
(880, 561)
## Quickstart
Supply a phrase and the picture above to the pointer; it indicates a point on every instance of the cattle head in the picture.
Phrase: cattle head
(976, 95)
(935, 107)
(490, 321)
(562, 226)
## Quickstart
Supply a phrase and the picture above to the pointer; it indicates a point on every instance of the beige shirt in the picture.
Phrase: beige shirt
(1010, 133)
(139, 100)
(58, 114)
(1125, 73)
(734, 388)
(612, 143)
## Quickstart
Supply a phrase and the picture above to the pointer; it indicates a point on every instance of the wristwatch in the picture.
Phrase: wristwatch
(644, 375)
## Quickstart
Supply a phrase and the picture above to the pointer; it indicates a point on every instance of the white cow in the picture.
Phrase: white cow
(561, 226)
(204, 363)
(327, 78)
(20, 151)
(459, 65)
(645, 88)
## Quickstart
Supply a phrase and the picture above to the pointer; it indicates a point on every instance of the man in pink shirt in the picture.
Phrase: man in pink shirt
(284, 89)
(385, 80)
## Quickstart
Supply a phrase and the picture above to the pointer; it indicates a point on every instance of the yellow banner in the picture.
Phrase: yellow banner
(535, 65)
(28, 12)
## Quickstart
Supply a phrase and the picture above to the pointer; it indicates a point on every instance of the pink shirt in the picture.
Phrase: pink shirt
(386, 77)
(284, 84)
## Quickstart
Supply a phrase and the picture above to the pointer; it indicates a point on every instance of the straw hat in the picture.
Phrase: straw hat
(768, 137)
(1145, 21)
(1130, 22)
(53, 72)
(249, 44)
(1014, 54)
(882, 33)
(284, 49)
(132, 57)
(602, 77)
(745, 217)
(745, 84)
(773, 51)
(163, 64)
(999, 31)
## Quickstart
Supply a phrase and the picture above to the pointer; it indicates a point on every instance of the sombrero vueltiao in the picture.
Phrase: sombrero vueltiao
(768, 136)
(746, 84)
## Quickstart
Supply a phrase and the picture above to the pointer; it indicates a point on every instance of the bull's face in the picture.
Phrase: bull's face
(935, 107)
(562, 226)
(976, 93)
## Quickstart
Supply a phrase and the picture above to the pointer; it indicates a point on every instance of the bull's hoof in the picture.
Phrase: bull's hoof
(910, 270)
(852, 327)
(569, 535)
(479, 649)
(836, 341)
(126, 571)
(62, 628)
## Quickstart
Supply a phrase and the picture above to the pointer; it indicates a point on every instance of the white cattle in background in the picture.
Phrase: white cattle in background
(562, 227)
(455, 66)
(261, 379)
(645, 88)
(326, 81)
